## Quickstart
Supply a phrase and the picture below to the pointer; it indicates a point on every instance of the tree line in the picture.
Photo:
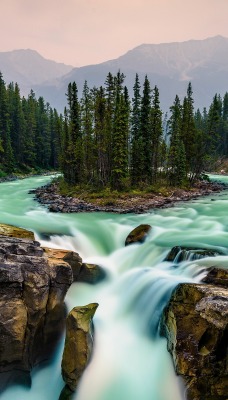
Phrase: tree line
(106, 138)
(112, 140)
(30, 131)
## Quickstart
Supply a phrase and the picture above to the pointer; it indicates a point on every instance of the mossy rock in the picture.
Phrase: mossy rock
(13, 231)
(78, 344)
(138, 235)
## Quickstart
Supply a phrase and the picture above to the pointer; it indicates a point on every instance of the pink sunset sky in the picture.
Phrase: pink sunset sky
(81, 32)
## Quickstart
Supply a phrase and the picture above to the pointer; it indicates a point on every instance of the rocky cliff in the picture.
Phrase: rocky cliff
(196, 326)
(32, 291)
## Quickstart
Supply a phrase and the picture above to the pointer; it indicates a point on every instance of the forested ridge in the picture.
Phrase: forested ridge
(107, 139)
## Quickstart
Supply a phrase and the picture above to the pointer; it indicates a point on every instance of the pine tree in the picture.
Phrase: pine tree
(145, 131)
(87, 131)
(176, 155)
(75, 147)
(189, 133)
(137, 157)
(29, 109)
(156, 133)
(119, 171)
(100, 132)
(6, 155)
(109, 118)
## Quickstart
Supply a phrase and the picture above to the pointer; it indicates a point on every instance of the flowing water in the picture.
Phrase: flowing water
(130, 360)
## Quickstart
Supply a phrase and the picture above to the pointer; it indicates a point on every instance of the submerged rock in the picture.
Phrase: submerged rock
(195, 324)
(184, 253)
(138, 235)
(78, 344)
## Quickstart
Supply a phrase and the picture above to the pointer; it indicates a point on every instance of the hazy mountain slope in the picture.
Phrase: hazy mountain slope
(170, 66)
(29, 68)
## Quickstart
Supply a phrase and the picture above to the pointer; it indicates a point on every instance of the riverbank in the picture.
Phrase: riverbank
(15, 177)
(49, 196)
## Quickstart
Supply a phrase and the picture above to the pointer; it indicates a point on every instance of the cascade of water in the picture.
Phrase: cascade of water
(130, 360)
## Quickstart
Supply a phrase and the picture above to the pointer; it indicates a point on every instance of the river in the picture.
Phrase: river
(130, 360)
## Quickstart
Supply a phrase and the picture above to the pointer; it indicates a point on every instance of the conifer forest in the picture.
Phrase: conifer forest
(105, 138)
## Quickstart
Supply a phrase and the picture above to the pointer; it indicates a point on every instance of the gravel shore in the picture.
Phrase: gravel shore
(48, 195)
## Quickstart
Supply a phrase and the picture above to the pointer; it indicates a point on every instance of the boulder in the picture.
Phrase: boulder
(69, 257)
(184, 253)
(78, 344)
(138, 235)
(217, 276)
(195, 325)
(32, 292)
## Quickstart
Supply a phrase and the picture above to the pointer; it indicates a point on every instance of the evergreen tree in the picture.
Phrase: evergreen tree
(75, 147)
(109, 118)
(6, 155)
(87, 131)
(137, 157)
(100, 132)
(176, 156)
(120, 137)
(29, 110)
(145, 131)
(189, 133)
(156, 133)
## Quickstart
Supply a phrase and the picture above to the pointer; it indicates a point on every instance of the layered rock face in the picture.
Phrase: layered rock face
(32, 291)
(196, 326)
(82, 272)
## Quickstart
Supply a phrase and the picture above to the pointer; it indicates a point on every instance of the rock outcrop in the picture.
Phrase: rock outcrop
(82, 272)
(78, 344)
(32, 292)
(196, 326)
(138, 235)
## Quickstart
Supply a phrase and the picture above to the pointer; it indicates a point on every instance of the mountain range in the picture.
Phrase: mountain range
(170, 66)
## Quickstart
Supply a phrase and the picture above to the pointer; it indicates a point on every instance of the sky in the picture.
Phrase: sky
(82, 32)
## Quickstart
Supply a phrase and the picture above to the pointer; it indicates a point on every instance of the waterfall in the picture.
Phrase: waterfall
(130, 360)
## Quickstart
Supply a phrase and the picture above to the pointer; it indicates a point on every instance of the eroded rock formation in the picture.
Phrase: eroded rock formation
(78, 344)
(32, 292)
(196, 326)
(82, 272)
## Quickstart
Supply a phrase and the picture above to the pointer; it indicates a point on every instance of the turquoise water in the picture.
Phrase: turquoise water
(130, 361)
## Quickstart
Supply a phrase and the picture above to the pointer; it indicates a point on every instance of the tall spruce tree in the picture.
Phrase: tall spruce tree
(119, 170)
(6, 155)
(87, 131)
(189, 133)
(176, 155)
(75, 147)
(145, 131)
(156, 134)
(137, 146)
